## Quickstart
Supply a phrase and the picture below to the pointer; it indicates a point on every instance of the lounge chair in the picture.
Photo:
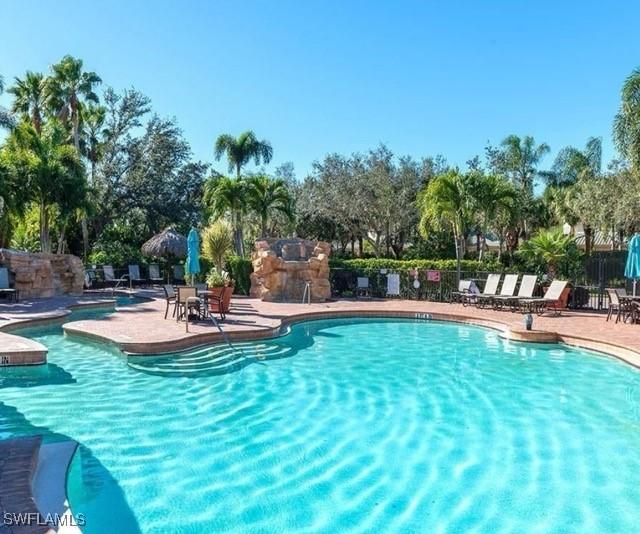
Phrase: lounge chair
(464, 289)
(506, 291)
(393, 285)
(363, 289)
(490, 289)
(11, 293)
(134, 276)
(109, 276)
(525, 291)
(551, 299)
(154, 274)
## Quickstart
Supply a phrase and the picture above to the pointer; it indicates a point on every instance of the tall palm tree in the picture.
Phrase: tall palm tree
(626, 125)
(572, 164)
(521, 159)
(31, 95)
(69, 86)
(265, 196)
(447, 203)
(227, 195)
(49, 169)
(242, 150)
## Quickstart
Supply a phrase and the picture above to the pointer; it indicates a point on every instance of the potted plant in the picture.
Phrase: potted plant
(221, 286)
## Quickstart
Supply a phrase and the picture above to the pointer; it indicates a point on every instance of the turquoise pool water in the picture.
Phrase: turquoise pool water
(341, 426)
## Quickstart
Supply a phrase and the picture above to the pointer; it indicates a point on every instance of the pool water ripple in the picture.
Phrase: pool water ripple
(341, 426)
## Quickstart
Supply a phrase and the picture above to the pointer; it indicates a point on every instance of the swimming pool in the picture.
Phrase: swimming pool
(362, 425)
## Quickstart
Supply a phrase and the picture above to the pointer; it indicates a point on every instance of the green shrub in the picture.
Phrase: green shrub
(240, 269)
(439, 265)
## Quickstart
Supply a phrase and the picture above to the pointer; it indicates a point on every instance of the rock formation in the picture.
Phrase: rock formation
(43, 275)
(281, 269)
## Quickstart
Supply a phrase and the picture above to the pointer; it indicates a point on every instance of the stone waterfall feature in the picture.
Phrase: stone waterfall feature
(282, 268)
(43, 275)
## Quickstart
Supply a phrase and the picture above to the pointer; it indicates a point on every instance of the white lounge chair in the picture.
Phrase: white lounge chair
(4, 285)
(506, 291)
(551, 299)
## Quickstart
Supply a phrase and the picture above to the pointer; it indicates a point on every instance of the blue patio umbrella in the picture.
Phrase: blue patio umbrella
(632, 269)
(192, 265)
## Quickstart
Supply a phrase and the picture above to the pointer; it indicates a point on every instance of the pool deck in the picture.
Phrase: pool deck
(142, 329)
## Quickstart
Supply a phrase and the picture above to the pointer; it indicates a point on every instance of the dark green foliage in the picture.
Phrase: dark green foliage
(439, 265)
(239, 270)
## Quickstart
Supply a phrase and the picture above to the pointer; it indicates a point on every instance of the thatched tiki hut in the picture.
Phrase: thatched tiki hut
(169, 245)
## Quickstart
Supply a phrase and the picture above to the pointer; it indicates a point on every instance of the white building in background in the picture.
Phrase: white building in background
(601, 241)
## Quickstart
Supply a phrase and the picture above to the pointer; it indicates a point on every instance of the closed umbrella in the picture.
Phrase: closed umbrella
(632, 269)
(192, 266)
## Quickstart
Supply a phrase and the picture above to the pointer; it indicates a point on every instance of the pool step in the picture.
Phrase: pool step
(211, 360)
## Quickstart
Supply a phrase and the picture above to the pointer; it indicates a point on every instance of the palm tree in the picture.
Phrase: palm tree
(93, 119)
(31, 95)
(572, 164)
(550, 247)
(521, 159)
(447, 203)
(50, 170)
(6, 120)
(242, 149)
(265, 196)
(227, 195)
(69, 87)
(626, 125)
(493, 198)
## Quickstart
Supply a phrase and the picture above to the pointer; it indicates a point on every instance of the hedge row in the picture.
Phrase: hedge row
(438, 265)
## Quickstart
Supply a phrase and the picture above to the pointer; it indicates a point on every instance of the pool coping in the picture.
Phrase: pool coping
(620, 352)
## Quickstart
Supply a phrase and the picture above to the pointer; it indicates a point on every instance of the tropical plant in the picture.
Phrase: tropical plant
(217, 278)
(49, 170)
(447, 202)
(266, 196)
(227, 195)
(572, 164)
(217, 242)
(551, 247)
(626, 125)
(30, 97)
(92, 135)
(242, 150)
(519, 159)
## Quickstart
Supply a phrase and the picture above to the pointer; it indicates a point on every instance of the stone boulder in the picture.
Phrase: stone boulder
(282, 268)
(43, 275)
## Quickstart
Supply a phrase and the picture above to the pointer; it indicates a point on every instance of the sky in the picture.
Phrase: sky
(315, 77)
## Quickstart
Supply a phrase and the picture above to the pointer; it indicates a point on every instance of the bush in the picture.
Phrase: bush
(240, 269)
(117, 254)
(438, 265)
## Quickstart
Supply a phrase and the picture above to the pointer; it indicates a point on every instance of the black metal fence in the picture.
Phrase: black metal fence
(344, 282)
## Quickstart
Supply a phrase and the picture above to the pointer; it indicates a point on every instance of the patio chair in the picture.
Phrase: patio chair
(154, 274)
(170, 297)
(178, 274)
(622, 308)
(186, 301)
(490, 289)
(506, 291)
(551, 299)
(363, 289)
(10, 292)
(134, 276)
(90, 279)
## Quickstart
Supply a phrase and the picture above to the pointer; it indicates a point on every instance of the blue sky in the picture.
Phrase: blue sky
(340, 76)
